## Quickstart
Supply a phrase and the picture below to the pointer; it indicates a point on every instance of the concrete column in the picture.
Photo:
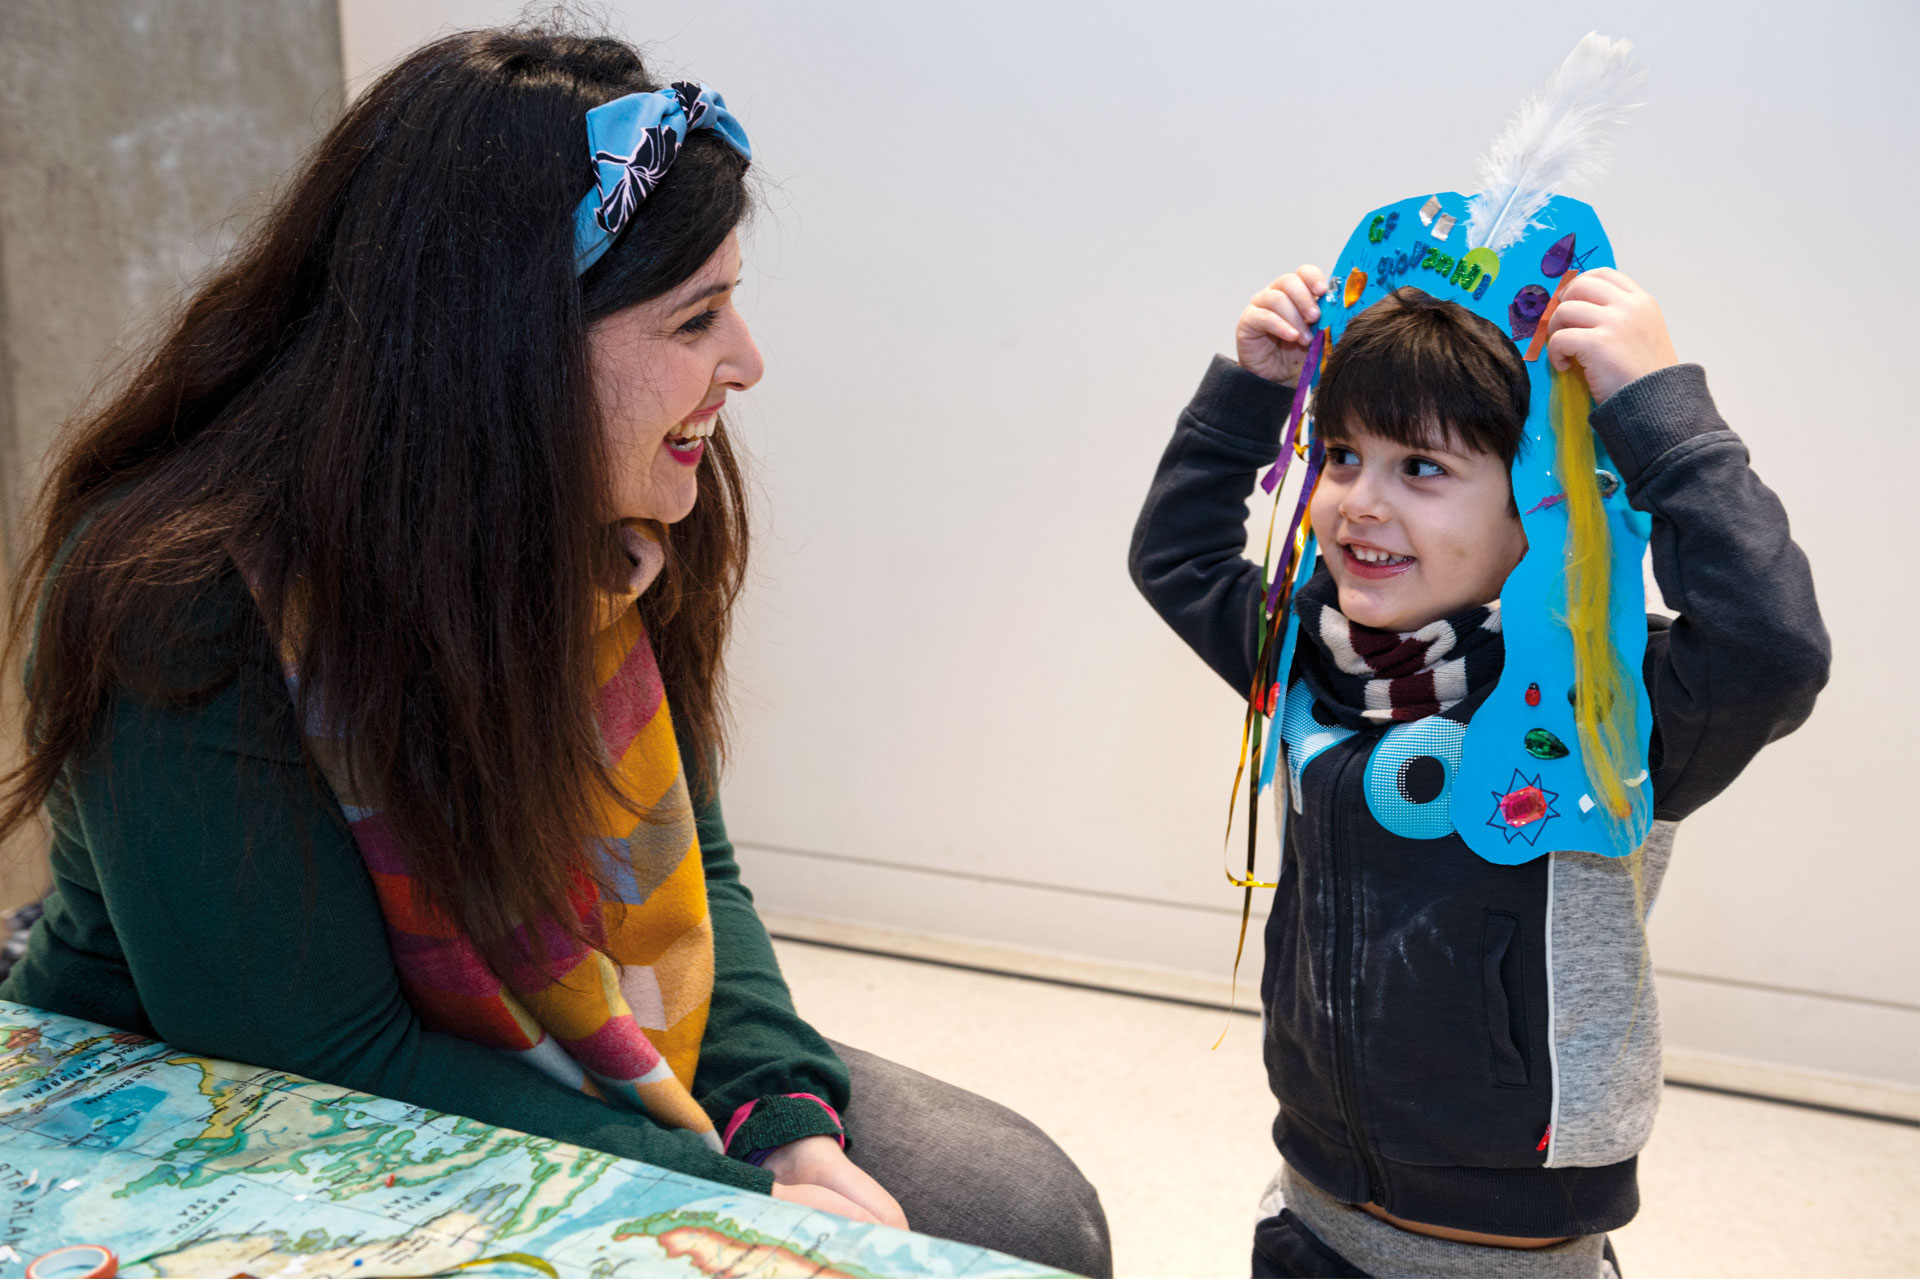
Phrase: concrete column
(136, 138)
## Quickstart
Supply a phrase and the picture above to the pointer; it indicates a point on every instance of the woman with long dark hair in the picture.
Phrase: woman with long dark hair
(375, 634)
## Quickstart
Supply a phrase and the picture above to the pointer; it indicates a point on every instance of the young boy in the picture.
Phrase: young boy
(1466, 1055)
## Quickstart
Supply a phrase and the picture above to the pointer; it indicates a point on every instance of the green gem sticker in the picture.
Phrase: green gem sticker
(1542, 745)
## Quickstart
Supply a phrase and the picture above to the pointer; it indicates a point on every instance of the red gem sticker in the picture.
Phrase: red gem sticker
(1528, 804)
(1524, 809)
(1533, 695)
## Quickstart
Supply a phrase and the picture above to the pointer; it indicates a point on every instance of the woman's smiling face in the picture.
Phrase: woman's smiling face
(1412, 535)
(661, 371)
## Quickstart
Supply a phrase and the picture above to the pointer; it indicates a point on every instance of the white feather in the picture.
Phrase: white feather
(1561, 137)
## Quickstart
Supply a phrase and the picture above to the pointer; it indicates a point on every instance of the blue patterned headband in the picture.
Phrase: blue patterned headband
(633, 141)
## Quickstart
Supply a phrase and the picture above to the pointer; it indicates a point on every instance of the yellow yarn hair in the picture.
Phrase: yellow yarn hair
(1605, 698)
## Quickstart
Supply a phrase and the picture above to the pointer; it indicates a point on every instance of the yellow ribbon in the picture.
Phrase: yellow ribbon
(1252, 729)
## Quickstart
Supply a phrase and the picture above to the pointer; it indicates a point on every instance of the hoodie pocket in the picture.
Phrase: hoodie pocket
(1502, 976)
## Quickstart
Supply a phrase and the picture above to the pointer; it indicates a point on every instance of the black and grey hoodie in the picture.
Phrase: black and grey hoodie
(1461, 1043)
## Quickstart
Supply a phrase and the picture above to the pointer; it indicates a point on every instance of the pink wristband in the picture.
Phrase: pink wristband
(745, 1110)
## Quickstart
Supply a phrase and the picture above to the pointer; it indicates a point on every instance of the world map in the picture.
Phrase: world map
(191, 1166)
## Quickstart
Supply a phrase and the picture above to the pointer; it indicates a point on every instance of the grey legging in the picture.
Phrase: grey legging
(967, 1169)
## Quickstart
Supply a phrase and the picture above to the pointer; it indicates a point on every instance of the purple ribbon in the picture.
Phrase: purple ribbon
(1309, 374)
(1316, 456)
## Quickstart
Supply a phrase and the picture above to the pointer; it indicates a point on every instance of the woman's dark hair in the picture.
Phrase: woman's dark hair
(381, 407)
(1418, 371)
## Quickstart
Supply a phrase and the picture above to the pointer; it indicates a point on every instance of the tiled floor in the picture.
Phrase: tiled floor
(1175, 1135)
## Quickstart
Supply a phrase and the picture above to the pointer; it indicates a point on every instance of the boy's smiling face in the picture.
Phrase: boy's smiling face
(1413, 535)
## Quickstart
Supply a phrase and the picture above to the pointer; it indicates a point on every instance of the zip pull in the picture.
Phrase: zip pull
(1545, 1138)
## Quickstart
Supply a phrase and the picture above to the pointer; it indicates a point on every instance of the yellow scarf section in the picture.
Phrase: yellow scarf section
(624, 1018)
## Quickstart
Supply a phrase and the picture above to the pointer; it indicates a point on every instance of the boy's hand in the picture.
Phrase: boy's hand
(1271, 338)
(1612, 328)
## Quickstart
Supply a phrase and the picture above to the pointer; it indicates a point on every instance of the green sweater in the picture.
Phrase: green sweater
(206, 893)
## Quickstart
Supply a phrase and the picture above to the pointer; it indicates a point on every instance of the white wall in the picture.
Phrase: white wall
(1000, 246)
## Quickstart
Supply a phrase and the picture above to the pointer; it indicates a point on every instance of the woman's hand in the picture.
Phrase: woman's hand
(820, 1198)
(1272, 336)
(816, 1172)
(1612, 328)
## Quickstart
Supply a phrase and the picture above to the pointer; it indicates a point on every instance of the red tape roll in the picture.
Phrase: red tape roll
(75, 1262)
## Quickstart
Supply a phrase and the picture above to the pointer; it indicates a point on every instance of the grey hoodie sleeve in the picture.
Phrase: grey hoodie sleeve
(1743, 662)
(1188, 555)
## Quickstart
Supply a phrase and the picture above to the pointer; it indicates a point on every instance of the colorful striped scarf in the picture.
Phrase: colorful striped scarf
(624, 1018)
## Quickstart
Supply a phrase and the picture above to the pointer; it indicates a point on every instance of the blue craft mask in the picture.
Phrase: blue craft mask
(1517, 780)
(633, 142)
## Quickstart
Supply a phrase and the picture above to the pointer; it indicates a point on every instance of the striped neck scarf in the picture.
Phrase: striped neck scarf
(622, 1018)
(1385, 677)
